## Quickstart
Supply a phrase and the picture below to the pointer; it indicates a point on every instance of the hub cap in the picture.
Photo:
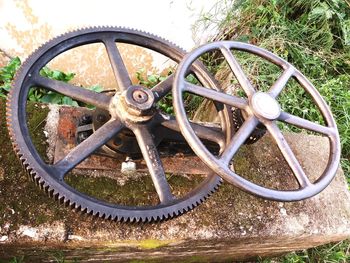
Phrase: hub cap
(265, 106)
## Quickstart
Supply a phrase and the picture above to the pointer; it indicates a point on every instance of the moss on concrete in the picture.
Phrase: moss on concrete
(138, 191)
(36, 119)
(21, 201)
(152, 243)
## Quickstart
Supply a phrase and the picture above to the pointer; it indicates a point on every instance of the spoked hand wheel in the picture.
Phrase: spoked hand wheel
(131, 107)
(259, 108)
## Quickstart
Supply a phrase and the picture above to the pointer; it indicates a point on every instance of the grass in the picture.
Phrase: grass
(331, 253)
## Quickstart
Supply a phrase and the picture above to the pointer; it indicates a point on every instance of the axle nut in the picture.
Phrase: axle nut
(139, 101)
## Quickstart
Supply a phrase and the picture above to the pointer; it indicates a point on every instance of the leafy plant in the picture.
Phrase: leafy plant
(151, 80)
(38, 94)
(7, 74)
(17, 259)
(191, 101)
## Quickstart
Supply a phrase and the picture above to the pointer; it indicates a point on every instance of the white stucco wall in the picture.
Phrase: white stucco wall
(26, 24)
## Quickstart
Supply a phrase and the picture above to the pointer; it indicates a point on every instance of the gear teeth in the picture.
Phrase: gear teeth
(50, 192)
(72, 205)
(61, 200)
(66, 202)
(45, 187)
(41, 183)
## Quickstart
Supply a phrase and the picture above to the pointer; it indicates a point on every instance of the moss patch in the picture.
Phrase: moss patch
(36, 119)
(138, 191)
(21, 201)
(152, 243)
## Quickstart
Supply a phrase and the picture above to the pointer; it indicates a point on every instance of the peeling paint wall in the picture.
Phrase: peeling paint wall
(27, 24)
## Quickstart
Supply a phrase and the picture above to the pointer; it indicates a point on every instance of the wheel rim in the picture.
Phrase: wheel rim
(221, 165)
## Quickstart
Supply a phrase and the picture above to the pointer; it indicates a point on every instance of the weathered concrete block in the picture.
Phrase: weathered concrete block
(230, 225)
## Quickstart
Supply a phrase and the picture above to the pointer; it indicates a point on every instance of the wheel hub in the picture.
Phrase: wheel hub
(265, 106)
(136, 104)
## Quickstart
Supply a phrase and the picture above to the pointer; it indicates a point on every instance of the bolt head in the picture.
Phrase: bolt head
(139, 100)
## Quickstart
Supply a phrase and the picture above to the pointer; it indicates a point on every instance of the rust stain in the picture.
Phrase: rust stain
(135, 59)
(67, 126)
(27, 10)
(24, 38)
(90, 62)
(66, 141)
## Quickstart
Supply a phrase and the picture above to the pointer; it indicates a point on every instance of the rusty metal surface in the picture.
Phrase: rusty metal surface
(67, 139)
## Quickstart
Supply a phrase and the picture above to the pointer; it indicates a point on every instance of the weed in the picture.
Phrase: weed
(38, 94)
(17, 259)
(191, 101)
(7, 74)
(331, 253)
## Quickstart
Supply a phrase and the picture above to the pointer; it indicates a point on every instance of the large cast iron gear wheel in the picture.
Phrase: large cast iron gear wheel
(141, 121)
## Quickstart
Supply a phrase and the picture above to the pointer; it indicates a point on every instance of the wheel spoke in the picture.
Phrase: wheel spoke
(288, 155)
(119, 69)
(87, 147)
(154, 163)
(99, 100)
(305, 124)
(278, 86)
(216, 96)
(238, 72)
(238, 139)
(163, 88)
(213, 134)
